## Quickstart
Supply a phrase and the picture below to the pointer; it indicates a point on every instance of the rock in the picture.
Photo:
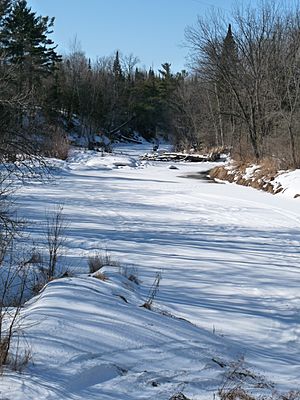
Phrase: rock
(173, 167)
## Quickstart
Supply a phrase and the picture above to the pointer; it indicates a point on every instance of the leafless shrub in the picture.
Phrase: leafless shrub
(55, 235)
(95, 262)
(9, 224)
(35, 258)
(55, 143)
(37, 286)
(239, 393)
(152, 292)
(291, 395)
(14, 278)
(19, 357)
(41, 277)
(241, 383)
(13, 285)
(235, 393)
(99, 259)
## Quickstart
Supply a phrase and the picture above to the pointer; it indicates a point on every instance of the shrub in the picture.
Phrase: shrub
(13, 284)
(99, 259)
(55, 236)
(55, 143)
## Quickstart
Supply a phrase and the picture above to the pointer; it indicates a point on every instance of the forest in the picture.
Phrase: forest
(240, 92)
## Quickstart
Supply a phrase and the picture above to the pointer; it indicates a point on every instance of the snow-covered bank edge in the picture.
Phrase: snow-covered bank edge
(260, 177)
(91, 336)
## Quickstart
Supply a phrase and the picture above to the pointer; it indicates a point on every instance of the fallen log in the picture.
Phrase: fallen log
(167, 156)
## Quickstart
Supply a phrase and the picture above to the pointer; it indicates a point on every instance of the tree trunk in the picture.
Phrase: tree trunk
(219, 115)
(292, 144)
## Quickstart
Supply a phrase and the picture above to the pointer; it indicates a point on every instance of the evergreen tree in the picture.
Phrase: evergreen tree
(5, 6)
(226, 75)
(229, 56)
(168, 82)
(117, 69)
(119, 99)
(146, 103)
(167, 86)
(25, 43)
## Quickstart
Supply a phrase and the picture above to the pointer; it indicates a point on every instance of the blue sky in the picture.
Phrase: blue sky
(152, 30)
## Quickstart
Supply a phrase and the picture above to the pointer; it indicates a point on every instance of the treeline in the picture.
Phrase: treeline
(44, 96)
(248, 79)
(242, 91)
(112, 94)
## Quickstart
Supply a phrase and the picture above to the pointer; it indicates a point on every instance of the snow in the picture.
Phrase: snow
(290, 181)
(229, 258)
(250, 171)
(89, 342)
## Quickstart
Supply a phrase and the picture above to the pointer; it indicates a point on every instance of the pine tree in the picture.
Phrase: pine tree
(168, 82)
(147, 104)
(226, 74)
(117, 69)
(166, 70)
(119, 100)
(5, 6)
(229, 57)
(25, 43)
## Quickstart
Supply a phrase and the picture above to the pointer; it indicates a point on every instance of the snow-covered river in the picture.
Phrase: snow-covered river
(229, 255)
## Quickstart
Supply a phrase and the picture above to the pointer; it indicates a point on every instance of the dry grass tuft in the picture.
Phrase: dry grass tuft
(20, 361)
(236, 393)
(100, 259)
(99, 275)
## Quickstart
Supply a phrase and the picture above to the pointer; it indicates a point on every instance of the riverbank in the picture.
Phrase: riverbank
(263, 177)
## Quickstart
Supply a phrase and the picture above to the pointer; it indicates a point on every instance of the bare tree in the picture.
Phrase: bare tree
(286, 83)
(189, 113)
(252, 72)
(129, 63)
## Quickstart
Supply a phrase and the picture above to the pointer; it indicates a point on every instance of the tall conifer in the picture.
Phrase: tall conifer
(25, 42)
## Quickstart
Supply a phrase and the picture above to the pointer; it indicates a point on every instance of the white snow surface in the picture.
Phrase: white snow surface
(250, 170)
(230, 263)
(290, 182)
